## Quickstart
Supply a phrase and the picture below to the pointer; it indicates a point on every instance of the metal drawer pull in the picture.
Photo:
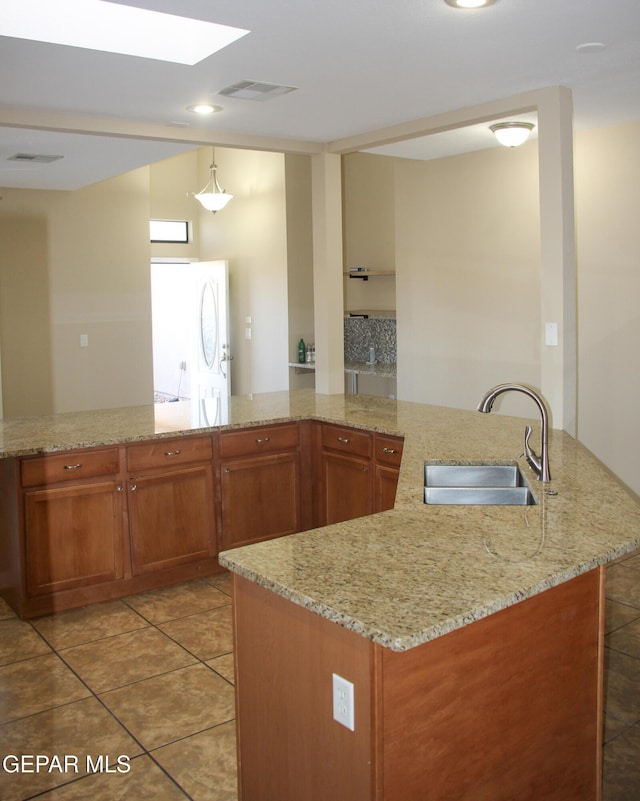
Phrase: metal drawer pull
(172, 453)
(73, 466)
(134, 487)
(260, 440)
(365, 469)
(389, 450)
(343, 439)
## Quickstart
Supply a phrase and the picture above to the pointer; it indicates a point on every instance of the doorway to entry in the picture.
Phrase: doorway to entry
(190, 328)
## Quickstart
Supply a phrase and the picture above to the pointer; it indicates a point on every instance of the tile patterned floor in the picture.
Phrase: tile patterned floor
(151, 677)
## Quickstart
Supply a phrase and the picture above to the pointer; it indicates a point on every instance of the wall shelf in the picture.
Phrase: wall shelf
(364, 275)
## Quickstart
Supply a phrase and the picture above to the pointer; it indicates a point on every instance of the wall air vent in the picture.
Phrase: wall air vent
(34, 158)
(255, 90)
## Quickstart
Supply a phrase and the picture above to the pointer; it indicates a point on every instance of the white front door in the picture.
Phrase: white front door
(211, 381)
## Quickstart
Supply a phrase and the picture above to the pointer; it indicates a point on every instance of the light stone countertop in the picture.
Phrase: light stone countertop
(409, 575)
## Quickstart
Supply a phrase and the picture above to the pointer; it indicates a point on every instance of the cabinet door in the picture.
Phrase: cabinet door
(260, 498)
(73, 536)
(347, 488)
(385, 489)
(171, 518)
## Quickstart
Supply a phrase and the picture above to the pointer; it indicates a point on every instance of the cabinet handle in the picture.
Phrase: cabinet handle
(364, 469)
(173, 453)
(389, 450)
(344, 439)
(119, 488)
(134, 487)
(260, 440)
(227, 470)
(73, 466)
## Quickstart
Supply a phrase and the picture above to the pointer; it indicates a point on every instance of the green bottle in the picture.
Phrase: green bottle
(302, 352)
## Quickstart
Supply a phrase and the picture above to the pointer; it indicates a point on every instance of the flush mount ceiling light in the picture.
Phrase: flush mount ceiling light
(215, 198)
(115, 28)
(469, 3)
(512, 134)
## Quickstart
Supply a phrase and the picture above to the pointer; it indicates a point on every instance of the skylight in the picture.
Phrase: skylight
(115, 28)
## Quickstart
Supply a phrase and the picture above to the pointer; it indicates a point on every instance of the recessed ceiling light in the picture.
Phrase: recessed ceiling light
(115, 28)
(469, 3)
(203, 108)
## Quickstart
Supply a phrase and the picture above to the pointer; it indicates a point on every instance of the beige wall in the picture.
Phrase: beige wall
(462, 234)
(300, 258)
(607, 167)
(79, 266)
(78, 263)
(24, 309)
(251, 234)
(468, 276)
(369, 233)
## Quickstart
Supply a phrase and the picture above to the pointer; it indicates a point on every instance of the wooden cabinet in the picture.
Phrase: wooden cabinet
(387, 456)
(346, 481)
(97, 523)
(260, 479)
(452, 718)
(171, 503)
(72, 520)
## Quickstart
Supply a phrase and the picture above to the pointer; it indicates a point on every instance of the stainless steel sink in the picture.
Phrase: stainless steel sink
(476, 484)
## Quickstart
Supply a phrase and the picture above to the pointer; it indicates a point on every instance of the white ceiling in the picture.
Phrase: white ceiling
(358, 65)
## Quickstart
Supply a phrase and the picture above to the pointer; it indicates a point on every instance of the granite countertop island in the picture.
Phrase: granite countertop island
(409, 575)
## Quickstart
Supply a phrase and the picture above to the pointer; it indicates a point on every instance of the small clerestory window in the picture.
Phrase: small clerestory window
(169, 231)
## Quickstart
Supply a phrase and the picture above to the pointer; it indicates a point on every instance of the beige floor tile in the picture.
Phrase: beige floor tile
(617, 615)
(36, 684)
(626, 639)
(633, 562)
(125, 658)
(74, 731)
(621, 693)
(204, 765)
(5, 610)
(169, 603)
(145, 781)
(18, 641)
(613, 728)
(223, 665)
(88, 623)
(622, 767)
(166, 708)
(221, 581)
(622, 585)
(205, 635)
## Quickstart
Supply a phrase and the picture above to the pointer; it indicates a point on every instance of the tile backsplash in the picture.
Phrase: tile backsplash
(360, 334)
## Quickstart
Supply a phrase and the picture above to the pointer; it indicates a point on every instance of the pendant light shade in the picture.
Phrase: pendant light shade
(213, 198)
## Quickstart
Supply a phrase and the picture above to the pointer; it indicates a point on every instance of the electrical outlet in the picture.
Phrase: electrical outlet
(183, 365)
(343, 703)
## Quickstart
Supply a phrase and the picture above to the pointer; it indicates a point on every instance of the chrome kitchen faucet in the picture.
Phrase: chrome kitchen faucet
(539, 464)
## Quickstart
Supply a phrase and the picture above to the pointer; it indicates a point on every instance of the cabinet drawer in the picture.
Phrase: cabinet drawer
(346, 440)
(388, 450)
(168, 453)
(262, 439)
(69, 466)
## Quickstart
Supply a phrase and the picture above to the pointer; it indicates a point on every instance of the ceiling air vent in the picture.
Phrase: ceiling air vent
(34, 158)
(255, 90)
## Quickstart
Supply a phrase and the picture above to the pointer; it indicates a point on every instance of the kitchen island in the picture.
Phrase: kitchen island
(472, 636)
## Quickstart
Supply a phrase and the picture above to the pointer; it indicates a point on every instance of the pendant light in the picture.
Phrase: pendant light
(215, 198)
